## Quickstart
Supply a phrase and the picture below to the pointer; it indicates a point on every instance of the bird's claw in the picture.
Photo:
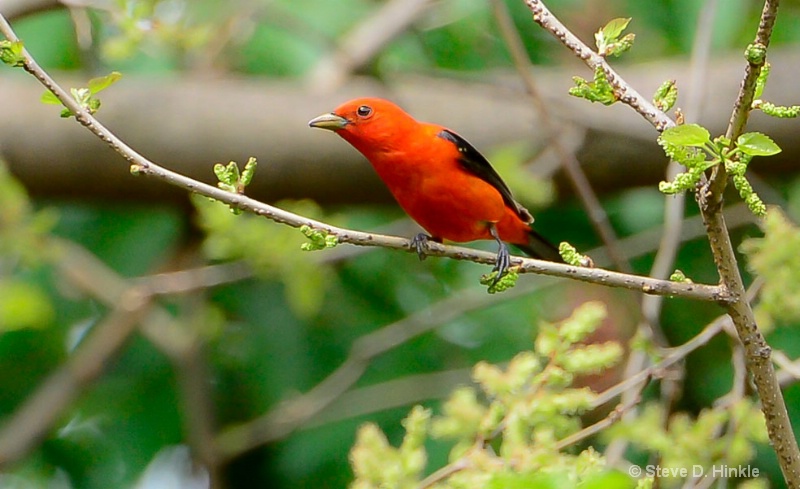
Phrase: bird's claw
(420, 245)
(502, 263)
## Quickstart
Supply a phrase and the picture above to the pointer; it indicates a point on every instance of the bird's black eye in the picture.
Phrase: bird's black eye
(364, 111)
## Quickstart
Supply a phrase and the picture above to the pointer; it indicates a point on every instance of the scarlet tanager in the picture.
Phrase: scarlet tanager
(438, 178)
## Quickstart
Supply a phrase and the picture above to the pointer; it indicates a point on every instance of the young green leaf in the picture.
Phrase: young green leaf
(101, 83)
(686, 135)
(598, 90)
(757, 144)
(247, 173)
(49, 98)
(608, 41)
(614, 27)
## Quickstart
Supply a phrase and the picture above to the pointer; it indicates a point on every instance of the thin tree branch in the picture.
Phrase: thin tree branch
(88, 274)
(790, 369)
(613, 417)
(142, 166)
(673, 356)
(452, 468)
(626, 93)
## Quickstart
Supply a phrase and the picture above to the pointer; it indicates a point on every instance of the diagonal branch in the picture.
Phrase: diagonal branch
(142, 166)
(626, 93)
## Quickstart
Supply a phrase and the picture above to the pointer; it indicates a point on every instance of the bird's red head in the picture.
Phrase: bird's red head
(369, 124)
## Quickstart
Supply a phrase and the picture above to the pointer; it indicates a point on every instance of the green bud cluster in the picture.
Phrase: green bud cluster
(691, 146)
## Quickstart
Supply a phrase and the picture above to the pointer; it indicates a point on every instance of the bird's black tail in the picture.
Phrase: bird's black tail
(539, 247)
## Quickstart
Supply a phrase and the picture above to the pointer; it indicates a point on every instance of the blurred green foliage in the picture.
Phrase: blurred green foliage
(287, 37)
(283, 331)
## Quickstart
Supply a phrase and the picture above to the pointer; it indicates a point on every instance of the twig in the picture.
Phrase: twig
(197, 407)
(88, 274)
(673, 355)
(143, 166)
(181, 345)
(626, 93)
(192, 279)
(461, 464)
(395, 393)
(613, 417)
(744, 101)
(790, 369)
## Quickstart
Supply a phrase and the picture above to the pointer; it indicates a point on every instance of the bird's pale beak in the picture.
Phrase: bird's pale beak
(331, 122)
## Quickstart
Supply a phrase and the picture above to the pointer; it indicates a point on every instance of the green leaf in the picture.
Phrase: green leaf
(686, 135)
(757, 144)
(598, 90)
(614, 27)
(248, 172)
(571, 256)
(679, 276)
(49, 98)
(101, 83)
(608, 41)
(84, 95)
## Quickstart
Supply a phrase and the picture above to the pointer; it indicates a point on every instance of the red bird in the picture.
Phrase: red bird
(438, 178)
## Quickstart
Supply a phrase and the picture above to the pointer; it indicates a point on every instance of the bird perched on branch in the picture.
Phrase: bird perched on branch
(438, 178)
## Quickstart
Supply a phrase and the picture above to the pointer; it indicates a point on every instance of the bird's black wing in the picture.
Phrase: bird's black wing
(474, 162)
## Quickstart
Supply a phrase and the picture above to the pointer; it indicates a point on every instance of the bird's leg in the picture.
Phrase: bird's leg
(420, 244)
(503, 256)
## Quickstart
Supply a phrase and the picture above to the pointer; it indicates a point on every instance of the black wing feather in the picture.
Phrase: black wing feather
(477, 164)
